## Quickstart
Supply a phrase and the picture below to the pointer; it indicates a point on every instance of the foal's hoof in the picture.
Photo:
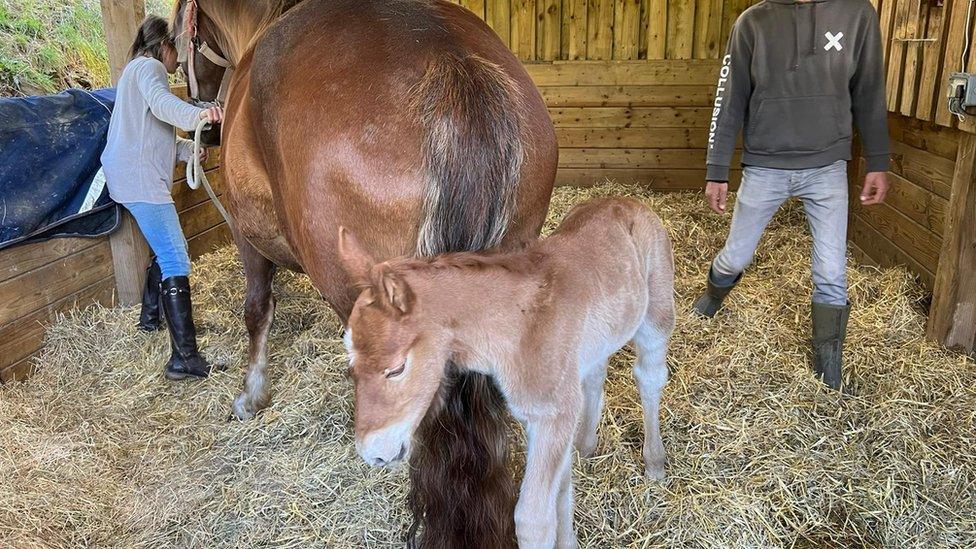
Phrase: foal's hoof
(244, 409)
(654, 471)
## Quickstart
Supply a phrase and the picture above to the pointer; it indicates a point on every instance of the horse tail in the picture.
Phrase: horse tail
(462, 492)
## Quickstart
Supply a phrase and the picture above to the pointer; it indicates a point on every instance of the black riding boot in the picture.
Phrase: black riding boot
(711, 301)
(186, 360)
(149, 319)
(829, 333)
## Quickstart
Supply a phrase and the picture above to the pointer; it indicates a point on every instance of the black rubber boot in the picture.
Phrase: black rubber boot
(709, 303)
(829, 333)
(149, 318)
(186, 361)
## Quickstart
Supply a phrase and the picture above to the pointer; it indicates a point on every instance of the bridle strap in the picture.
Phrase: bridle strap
(190, 22)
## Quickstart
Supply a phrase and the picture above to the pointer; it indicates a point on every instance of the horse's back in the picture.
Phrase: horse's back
(331, 94)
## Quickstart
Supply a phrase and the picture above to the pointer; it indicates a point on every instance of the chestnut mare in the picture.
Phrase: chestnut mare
(542, 322)
(409, 122)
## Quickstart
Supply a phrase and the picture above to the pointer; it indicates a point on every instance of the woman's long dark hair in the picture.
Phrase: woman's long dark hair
(153, 35)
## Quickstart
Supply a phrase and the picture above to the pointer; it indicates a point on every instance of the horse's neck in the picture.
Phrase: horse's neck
(242, 25)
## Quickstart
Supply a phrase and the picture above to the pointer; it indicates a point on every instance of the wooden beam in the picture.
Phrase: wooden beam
(121, 19)
(952, 320)
(130, 253)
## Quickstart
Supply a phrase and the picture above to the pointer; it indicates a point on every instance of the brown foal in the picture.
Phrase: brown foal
(542, 322)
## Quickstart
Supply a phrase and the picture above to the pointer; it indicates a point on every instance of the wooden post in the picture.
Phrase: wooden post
(130, 253)
(952, 320)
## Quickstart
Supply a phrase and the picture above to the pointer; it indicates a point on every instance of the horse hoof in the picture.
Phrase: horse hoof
(654, 472)
(243, 409)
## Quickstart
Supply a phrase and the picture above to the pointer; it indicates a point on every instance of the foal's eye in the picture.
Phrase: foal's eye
(394, 373)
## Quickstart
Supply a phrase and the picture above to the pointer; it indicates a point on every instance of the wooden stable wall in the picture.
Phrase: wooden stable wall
(633, 121)
(611, 29)
(40, 281)
(908, 229)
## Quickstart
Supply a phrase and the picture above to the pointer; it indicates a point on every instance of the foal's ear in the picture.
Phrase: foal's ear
(396, 293)
(355, 260)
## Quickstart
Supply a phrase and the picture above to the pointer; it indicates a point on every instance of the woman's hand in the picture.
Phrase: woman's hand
(214, 115)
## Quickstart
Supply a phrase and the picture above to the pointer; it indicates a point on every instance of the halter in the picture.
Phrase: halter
(195, 45)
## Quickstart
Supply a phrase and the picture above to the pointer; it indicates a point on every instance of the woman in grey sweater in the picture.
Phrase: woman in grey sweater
(139, 157)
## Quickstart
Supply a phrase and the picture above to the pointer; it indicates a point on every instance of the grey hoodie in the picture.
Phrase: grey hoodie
(794, 78)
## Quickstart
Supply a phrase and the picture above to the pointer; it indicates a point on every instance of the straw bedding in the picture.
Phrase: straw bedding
(99, 450)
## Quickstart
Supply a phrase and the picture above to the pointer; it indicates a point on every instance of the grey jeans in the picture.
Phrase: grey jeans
(823, 192)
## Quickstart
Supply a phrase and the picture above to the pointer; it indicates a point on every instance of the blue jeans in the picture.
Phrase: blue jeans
(823, 192)
(161, 227)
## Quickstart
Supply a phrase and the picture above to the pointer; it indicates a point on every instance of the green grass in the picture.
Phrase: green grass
(49, 45)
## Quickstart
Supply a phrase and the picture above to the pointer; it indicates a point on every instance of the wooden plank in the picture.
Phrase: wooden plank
(708, 29)
(626, 36)
(622, 117)
(681, 30)
(910, 77)
(25, 258)
(476, 6)
(930, 87)
(925, 169)
(731, 12)
(633, 158)
(952, 319)
(657, 29)
(632, 138)
(642, 29)
(130, 253)
(908, 236)
(883, 252)
(121, 19)
(574, 29)
(926, 136)
(18, 372)
(627, 96)
(210, 240)
(31, 291)
(624, 73)
(667, 180)
(549, 39)
(199, 219)
(922, 206)
(24, 336)
(599, 29)
(896, 55)
(955, 42)
(499, 18)
(185, 198)
(523, 29)
(887, 18)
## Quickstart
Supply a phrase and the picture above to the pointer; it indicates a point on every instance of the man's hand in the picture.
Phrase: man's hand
(716, 193)
(875, 188)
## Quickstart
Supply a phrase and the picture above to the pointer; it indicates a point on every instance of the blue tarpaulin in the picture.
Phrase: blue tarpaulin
(51, 182)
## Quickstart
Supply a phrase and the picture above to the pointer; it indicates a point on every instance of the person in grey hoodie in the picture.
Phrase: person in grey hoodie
(795, 77)
(138, 160)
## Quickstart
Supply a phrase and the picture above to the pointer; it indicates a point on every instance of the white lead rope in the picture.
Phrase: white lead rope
(195, 175)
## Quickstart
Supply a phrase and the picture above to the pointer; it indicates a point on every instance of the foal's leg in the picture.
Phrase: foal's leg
(651, 373)
(549, 450)
(565, 533)
(593, 380)
(258, 314)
